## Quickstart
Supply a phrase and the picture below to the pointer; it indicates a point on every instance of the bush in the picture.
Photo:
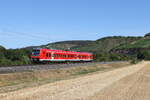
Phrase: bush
(144, 55)
(103, 56)
(26, 60)
(5, 62)
(14, 57)
(134, 61)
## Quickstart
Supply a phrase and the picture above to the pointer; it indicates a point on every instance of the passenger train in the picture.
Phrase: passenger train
(50, 55)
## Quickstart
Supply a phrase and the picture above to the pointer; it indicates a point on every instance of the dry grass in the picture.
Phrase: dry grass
(14, 81)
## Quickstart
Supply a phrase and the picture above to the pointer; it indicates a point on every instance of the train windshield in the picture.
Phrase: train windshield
(35, 52)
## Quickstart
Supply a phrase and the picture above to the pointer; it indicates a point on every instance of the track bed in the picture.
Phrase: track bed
(24, 68)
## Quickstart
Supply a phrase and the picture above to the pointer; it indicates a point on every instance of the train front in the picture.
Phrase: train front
(35, 56)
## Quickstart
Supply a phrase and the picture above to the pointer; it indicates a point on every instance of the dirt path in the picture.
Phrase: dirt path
(132, 87)
(85, 87)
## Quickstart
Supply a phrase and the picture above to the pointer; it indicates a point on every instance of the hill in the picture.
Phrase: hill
(106, 44)
(63, 45)
(69, 45)
(143, 43)
(134, 47)
(100, 45)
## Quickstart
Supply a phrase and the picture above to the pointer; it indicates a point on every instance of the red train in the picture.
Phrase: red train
(49, 55)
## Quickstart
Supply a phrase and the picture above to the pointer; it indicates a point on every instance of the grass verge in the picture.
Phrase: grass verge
(14, 81)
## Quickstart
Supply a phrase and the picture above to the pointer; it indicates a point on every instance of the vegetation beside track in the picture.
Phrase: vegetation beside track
(14, 56)
(13, 81)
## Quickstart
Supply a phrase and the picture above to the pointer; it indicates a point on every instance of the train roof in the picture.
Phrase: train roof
(63, 51)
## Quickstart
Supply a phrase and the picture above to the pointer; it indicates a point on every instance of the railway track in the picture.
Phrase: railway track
(24, 68)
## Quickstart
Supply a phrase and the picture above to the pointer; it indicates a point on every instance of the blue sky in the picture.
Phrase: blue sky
(35, 22)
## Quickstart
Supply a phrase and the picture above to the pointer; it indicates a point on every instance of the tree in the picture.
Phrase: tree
(144, 55)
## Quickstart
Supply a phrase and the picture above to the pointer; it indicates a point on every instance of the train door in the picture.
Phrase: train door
(52, 55)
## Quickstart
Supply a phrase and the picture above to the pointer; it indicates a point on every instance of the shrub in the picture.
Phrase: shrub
(5, 62)
(134, 61)
(26, 60)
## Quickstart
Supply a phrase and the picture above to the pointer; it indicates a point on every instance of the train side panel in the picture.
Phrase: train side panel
(59, 55)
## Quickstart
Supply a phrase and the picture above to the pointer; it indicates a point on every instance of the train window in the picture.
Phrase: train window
(49, 55)
(35, 52)
(64, 56)
(46, 54)
(69, 56)
(55, 55)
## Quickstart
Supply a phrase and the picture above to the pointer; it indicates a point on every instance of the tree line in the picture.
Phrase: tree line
(22, 56)
(14, 56)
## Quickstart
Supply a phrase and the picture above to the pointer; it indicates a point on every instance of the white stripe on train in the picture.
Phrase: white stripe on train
(65, 59)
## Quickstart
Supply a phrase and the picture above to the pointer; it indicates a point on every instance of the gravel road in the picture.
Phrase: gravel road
(47, 66)
(132, 87)
(89, 87)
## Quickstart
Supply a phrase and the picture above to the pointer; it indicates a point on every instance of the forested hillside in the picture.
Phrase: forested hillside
(104, 49)
(139, 48)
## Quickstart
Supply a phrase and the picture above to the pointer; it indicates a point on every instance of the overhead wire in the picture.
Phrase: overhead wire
(27, 35)
(28, 38)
